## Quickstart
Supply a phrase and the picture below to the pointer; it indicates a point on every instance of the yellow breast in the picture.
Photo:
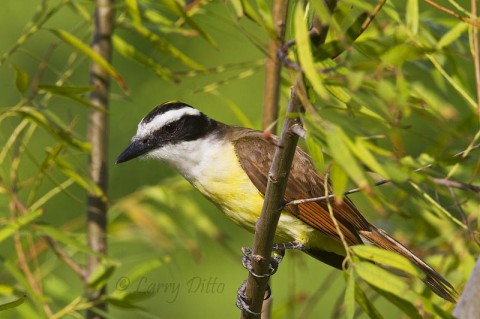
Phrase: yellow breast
(223, 181)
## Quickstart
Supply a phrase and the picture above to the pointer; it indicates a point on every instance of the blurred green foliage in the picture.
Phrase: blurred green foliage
(383, 101)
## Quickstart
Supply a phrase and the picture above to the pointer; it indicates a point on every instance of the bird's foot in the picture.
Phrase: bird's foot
(289, 245)
(242, 298)
(275, 260)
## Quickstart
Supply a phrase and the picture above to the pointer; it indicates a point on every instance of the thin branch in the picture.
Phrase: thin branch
(97, 137)
(454, 184)
(272, 208)
(273, 67)
(63, 256)
(454, 14)
(476, 55)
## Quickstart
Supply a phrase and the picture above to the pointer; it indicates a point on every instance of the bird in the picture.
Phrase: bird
(229, 165)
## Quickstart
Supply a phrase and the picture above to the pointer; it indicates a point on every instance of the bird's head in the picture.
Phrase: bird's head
(166, 130)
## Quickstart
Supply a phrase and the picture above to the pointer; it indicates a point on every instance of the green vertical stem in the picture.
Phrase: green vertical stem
(97, 137)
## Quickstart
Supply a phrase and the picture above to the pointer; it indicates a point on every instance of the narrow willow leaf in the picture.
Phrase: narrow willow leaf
(13, 304)
(132, 8)
(363, 154)
(266, 15)
(350, 296)
(338, 146)
(452, 35)
(437, 205)
(316, 153)
(322, 11)
(43, 120)
(165, 46)
(239, 114)
(88, 185)
(62, 237)
(251, 13)
(81, 10)
(304, 52)
(412, 16)
(65, 90)
(366, 305)
(176, 8)
(238, 7)
(401, 53)
(405, 306)
(146, 267)
(382, 279)
(387, 258)
(334, 48)
(11, 227)
(101, 274)
(90, 53)
(129, 51)
(339, 180)
(22, 79)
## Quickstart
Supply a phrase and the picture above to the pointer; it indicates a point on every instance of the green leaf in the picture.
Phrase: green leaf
(359, 148)
(350, 296)
(178, 9)
(266, 16)
(101, 274)
(452, 35)
(22, 79)
(238, 7)
(129, 51)
(387, 258)
(316, 153)
(401, 53)
(304, 52)
(132, 8)
(384, 280)
(71, 92)
(11, 227)
(339, 148)
(366, 305)
(146, 267)
(90, 53)
(339, 180)
(65, 90)
(53, 128)
(164, 46)
(64, 238)
(13, 304)
(405, 306)
(412, 16)
(87, 184)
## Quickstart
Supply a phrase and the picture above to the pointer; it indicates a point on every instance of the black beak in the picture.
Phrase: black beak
(136, 149)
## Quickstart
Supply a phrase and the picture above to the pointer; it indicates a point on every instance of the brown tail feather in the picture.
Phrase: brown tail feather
(433, 280)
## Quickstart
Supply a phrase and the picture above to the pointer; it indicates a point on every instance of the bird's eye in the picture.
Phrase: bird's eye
(145, 141)
(170, 128)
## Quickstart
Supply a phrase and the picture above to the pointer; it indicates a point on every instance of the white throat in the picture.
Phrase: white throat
(193, 159)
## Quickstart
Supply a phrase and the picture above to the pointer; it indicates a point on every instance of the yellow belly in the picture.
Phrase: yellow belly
(227, 186)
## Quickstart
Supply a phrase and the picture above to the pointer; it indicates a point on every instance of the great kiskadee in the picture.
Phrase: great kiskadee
(229, 165)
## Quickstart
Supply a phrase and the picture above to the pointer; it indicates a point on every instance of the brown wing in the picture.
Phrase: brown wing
(256, 154)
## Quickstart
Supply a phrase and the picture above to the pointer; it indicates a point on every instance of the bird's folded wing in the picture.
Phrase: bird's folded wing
(256, 154)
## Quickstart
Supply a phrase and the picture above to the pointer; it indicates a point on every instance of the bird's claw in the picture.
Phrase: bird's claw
(241, 302)
(247, 263)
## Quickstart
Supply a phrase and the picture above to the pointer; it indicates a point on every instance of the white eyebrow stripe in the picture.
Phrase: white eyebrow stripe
(164, 119)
